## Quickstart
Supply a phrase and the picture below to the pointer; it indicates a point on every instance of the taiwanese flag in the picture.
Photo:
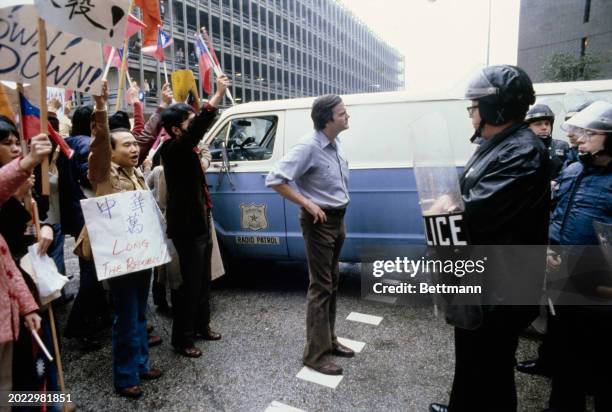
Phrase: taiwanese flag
(163, 40)
(31, 125)
(117, 56)
(204, 64)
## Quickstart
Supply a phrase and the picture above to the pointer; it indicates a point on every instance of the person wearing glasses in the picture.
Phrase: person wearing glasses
(583, 334)
(505, 188)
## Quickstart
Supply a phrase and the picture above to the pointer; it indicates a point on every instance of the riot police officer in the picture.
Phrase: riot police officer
(541, 120)
(584, 309)
(506, 191)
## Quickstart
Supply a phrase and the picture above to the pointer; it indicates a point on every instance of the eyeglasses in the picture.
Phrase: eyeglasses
(586, 134)
(471, 110)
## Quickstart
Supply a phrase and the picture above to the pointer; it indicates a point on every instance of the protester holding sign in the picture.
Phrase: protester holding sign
(112, 169)
(16, 301)
(189, 222)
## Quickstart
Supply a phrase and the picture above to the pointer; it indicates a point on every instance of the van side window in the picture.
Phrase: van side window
(249, 138)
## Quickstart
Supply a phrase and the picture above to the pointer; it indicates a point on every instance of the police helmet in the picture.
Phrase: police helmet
(504, 93)
(596, 117)
(540, 111)
(572, 111)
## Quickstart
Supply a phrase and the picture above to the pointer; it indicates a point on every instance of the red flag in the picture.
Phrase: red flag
(133, 25)
(210, 47)
(152, 18)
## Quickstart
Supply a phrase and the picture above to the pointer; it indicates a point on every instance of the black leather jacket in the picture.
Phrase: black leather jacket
(506, 190)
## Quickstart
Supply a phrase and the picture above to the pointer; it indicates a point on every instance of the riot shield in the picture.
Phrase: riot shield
(437, 182)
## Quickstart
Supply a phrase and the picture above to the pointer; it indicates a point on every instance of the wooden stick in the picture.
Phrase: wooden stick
(58, 357)
(44, 128)
(111, 55)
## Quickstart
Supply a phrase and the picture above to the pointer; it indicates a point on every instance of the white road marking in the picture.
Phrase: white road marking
(363, 318)
(281, 407)
(352, 344)
(310, 375)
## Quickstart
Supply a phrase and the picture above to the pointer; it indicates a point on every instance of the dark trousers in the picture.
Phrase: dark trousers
(485, 360)
(190, 303)
(583, 359)
(130, 342)
(90, 310)
(323, 244)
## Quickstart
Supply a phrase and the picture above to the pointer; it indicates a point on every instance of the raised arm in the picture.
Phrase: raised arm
(151, 130)
(100, 149)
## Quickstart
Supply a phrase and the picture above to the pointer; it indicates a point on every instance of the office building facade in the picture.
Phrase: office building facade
(274, 49)
(575, 27)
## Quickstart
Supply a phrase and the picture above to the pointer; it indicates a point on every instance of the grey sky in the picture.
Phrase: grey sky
(442, 40)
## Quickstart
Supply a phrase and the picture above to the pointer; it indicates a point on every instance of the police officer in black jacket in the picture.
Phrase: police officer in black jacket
(506, 191)
(541, 120)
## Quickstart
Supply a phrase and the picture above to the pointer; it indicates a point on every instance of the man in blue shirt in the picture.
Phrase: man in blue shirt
(320, 171)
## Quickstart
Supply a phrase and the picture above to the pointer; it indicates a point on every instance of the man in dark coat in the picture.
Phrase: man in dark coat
(189, 219)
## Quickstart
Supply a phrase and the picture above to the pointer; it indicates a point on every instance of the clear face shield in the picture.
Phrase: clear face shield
(595, 118)
(575, 100)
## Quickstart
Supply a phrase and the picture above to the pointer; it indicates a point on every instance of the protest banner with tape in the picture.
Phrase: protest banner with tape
(126, 233)
(71, 61)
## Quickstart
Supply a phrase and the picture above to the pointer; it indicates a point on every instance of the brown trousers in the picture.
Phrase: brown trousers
(323, 244)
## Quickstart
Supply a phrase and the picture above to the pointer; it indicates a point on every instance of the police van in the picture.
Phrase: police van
(254, 222)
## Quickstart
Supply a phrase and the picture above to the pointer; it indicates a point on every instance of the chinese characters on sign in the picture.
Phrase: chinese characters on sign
(126, 233)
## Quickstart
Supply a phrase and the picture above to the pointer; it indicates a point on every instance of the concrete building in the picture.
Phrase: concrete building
(275, 49)
(568, 26)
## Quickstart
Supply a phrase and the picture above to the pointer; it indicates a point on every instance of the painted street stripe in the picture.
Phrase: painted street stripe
(352, 344)
(281, 407)
(307, 374)
(363, 318)
(381, 298)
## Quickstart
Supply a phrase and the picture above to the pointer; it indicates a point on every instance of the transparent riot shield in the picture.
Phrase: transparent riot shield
(437, 182)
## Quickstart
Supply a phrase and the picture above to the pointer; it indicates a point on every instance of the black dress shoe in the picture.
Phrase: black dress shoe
(328, 368)
(342, 351)
(533, 367)
(208, 335)
(437, 407)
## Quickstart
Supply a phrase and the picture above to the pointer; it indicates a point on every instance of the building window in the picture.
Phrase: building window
(584, 45)
(587, 10)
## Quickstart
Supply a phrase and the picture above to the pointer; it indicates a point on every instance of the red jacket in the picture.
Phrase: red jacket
(15, 297)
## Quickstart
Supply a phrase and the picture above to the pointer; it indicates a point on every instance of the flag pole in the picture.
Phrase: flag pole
(111, 55)
(123, 64)
(44, 127)
(58, 357)
(165, 71)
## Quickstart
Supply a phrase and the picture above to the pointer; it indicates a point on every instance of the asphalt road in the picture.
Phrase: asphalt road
(407, 361)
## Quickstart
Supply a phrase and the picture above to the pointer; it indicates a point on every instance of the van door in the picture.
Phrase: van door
(249, 217)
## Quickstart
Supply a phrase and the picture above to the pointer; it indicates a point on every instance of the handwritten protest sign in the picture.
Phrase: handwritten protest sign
(72, 62)
(126, 233)
(100, 20)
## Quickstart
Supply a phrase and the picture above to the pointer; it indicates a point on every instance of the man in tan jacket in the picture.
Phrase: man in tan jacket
(112, 169)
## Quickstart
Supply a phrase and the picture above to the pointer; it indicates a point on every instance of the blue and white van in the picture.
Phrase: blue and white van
(254, 222)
